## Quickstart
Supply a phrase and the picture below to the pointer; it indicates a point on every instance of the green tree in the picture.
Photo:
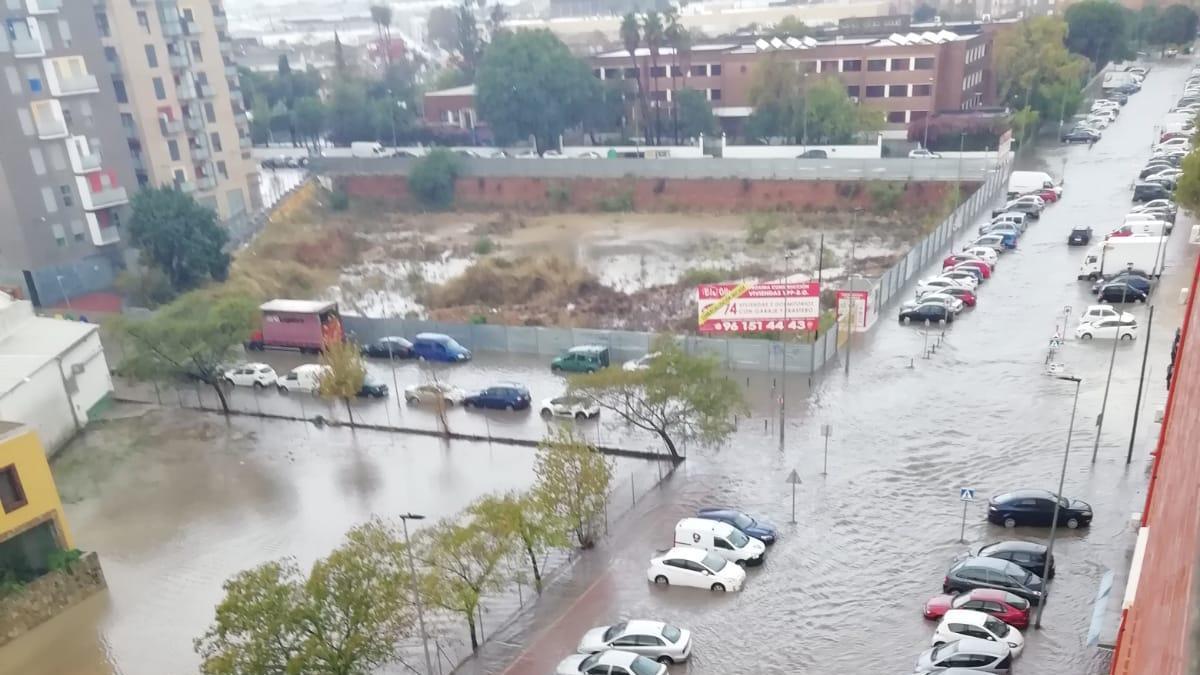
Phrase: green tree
(791, 26)
(1031, 58)
(1175, 25)
(470, 40)
(631, 37)
(442, 27)
(193, 337)
(1187, 191)
(381, 16)
(654, 33)
(681, 397)
(260, 122)
(924, 13)
(462, 562)
(607, 111)
(339, 56)
(573, 481)
(432, 179)
(1098, 30)
(529, 84)
(310, 120)
(832, 117)
(680, 41)
(343, 374)
(178, 236)
(350, 117)
(695, 114)
(524, 520)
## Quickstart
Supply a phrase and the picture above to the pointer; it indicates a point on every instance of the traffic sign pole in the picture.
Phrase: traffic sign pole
(966, 495)
(826, 431)
(794, 479)
(962, 533)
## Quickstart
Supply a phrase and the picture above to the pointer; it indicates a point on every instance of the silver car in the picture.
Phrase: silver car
(975, 654)
(610, 662)
(653, 639)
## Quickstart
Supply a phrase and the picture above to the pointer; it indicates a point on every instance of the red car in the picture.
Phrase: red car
(1011, 609)
(984, 269)
(956, 258)
(1049, 196)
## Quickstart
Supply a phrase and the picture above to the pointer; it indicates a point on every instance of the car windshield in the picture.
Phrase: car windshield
(589, 662)
(1016, 601)
(742, 521)
(644, 666)
(265, 369)
(671, 633)
(451, 343)
(997, 628)
(738, 539)
(614, 631)
(713, 563)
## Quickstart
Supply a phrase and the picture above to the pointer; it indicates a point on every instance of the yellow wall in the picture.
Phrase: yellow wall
(23, 449)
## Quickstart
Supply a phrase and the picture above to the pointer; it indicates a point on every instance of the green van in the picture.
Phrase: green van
(581, 359)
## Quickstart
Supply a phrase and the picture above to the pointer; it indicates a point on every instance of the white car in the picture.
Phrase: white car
(1175, 144)
(1097, 312)
(959, 623)
(992, 241)
(1106, 329)
(963, 277)
(570, 406)
(1109, 115)
(430, 392)
(257, 375)
(923, 153)
(984, 253)
(1097, 122)
(1027, 200)
(695, 567)
(935, 284)
(305, 378)
(952, 303)
(652, 639)
(640, 363)
(611, 662)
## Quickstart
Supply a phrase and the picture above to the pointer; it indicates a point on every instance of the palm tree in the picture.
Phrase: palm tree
(680, 41)
(652, 28)
(631, 36)
(382, 16)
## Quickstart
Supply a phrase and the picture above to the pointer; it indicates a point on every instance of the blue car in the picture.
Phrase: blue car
(500, 397)
(439, 347)
(764, 532)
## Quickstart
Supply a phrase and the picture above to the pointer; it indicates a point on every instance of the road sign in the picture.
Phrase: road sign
(793, 478)
(826, 430)
(766, 307)
(966, 494)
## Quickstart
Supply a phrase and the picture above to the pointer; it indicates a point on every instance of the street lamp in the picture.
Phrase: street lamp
(412, 571)
(787, 273)
(1111, 361)
(1062, 476)
(850, 264)
(928, 114)
(804, 131)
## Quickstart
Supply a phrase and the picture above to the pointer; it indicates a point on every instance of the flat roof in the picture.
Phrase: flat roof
(297, 306)
(465, 90)
(35, 342)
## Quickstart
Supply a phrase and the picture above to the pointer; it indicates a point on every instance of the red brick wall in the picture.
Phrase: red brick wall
(651, 194)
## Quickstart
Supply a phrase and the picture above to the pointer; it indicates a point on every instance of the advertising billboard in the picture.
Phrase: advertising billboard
(853, 303)
(751, 308)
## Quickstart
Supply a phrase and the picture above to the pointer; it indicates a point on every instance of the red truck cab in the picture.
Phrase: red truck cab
(306, 325)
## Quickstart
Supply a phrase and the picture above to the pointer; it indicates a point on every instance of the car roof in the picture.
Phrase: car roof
(587, 349)
(1015, 545)
(719, 511)
(1025, 493)
(971, 616)
(988, 594)
(616, 657)
(432, 336)
(644, 626)
(715, 526)
(996, 564)
(254, 364)
(685, 553)
(973, 645)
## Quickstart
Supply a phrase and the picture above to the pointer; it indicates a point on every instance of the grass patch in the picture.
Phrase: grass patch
(500, 282)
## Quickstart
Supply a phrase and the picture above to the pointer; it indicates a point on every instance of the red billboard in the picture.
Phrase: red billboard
(751, 308)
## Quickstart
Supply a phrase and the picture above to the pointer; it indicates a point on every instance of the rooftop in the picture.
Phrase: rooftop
(771, 44)
(297, 306)
(465, 90)
(35, 342)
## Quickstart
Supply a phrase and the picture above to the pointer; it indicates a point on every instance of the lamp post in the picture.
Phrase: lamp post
(850, 301)
(928, 114)
(1111, 361)
(804, 131)
(1137, 405)
(1062, 476)
(787, 273)
(412, 571)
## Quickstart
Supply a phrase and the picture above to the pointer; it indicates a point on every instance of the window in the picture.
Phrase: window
(110, 55)
(898, 91)
(102, 24)
(676, 71)
(14, 80)
(196, 50)
(631, 73)
(901, 64)
(612, 73)
(658, 95)
(173, 150)
(39, 162)
(655, 71)
(12, 495)
(923, 63)
(922, 90)
(829, 66)
(875, 91)
(65, 192)
(714, 69)
(221, 169)
(851, 65)
(915, 115)
(597, 73)
(77, 231)
(895, 117)
(64, 32)
(33, 75)
(210, 113)
(877, 65)
(722, 544)
(188, 15)
(58, 157)
(119, 90)
(714, 94)
(160, 91)
(852, 90)
(216, 141)
(151, 56)
(26, 121)
(48, 199)
(698, 71)
(143, 20)
(60, 235)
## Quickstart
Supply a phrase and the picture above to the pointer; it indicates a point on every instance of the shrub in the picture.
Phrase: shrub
(339, 200)
(147, 287)
(484, 246)
(759, 226)
(432, 179)
(559, 196)
(59, 561)
(616, 203)
(885, 197)
(705, 275)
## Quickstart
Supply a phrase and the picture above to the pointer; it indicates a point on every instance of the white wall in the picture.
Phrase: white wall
(85, 367)
(792, 151)
(41, 402)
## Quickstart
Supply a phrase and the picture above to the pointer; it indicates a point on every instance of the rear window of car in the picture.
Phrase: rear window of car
(644, 666)
(1016, 601)
(671, 633)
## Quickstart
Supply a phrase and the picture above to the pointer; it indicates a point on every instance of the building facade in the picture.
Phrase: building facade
(65, 174)
(32, 521)
(170, 64)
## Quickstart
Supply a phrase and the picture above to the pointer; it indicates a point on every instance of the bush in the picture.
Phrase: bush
(432, 179)
(484, 246)
(59, 561)
(885, 197)
(147, 288)
(619, 202)
(559, 196)
(705, 275)
(339, 200)
(759, 226)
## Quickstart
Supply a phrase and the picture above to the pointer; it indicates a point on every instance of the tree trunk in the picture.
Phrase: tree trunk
(645, 106)
(471, 629)
(657, 106)
(216, 385)
(537, 573)
(675, 95)
(670, 443)
(349, 411)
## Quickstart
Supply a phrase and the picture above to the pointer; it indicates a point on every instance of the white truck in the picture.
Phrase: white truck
(366, 149)
(1143, 253)
(1022, 182)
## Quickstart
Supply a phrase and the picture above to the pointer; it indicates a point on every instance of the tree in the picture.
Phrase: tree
(1030, 59)
(348, 616)
(680, 41)
(442, 27)
(1098, 30)
(681, 397)
(523, 520)
(496, 18)
(924, 13)
(790, 26)
(631, 36)
(529, 84)
(284, 68)
(193, 337)
(339, 56)
(260, 122)
(1175, 25)
(343, 374)
(178, 236)
(1187, 192)
(310, 120)
(654, 34)
(350, 118)
(462, 561)
(432, 179)
(832, 117)
(573, 480)
(695, 114)
(808, 109)
(381, 16)
(470, 41)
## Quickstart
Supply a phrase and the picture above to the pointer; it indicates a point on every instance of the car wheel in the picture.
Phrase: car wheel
(665, 660)
(410, 400)
(1072, 523)
(509, 407)
(1010, 522)
(546, 413)
(1126, 336)
(581, 415)
(1085, 336)
(259, 385)
(720, 588)
(740, 563)
(660, 579)
(228, 382)
(555, 369)
(283, 389)
(905, 320)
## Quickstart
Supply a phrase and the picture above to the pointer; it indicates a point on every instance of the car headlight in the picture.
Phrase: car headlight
(1012, 645)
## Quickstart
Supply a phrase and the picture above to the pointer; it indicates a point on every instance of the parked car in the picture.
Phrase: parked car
(1081, 135)
(652, 639)
(936, 298)
(1097, 312)
(570, 406)
(984, 269)
(760, 530)
(439, 347)
(1137, 279)
(1036, 507)
(499, 397)
(431, 392)
(1107, 329)
(966, 279)
(968, 298)
(813, 154)
(372, 388)
(1028, 554)
(960, 623)
(934, 284)
(301, 378)
(1122, 291)
(697, 568)
(1144, 192)
(1010, 608)
(1002, 575)
(959, 258)
(720, 538)
(609, 662)
(640, 363)
(923, 153)
(581, 359)
(389, 347)
(992, 241)
(986, 253)
(974, 654)
(932, 313)
(257, 375)
(1080, 236)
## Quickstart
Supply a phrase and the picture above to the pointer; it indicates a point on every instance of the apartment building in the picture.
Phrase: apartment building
(64, 171)
(171, 67)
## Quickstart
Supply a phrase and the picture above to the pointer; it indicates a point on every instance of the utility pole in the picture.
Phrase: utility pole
(849, 265)
(1062, 477)
(787, 273)
(412, 571)
(1137, 406)
(1111, 361)
(929, 113)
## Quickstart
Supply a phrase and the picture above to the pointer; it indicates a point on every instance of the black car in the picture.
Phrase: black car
(389, 347)
(1155, 167)
(969, 573)
(372, 388)
(1027, 554)
(813, 154)
(1036, 507)
(1080, 236)
(1122, 291)
(1136, 278)
(1145, 192)
(930, 312)
(1080, 135)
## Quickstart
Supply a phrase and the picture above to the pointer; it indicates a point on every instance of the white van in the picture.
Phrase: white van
(1022, 182)
(366, 149)
(306, 378)
(1142, 228)
(1139, 218)
(722, 539)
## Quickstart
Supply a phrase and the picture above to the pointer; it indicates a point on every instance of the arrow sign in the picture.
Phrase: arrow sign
(793, 478)
(966, 494)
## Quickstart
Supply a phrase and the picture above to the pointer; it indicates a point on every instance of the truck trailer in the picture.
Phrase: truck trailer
(305, 325)
(1146, 253)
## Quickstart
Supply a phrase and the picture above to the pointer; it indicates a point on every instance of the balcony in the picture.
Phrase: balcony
(206, 183)
(172, 27)
(94, 196)
(27, 42)
(244, 142)
(186, 92)
(101, 228)
(68, 76)
(220, 21)
(205, 90)
(226, 47)
(201, 154)
(187, 187)
(234, 84)
(179, 61)
(49, 120)
(83, 160)
(195, 123)
(231, 70)
(170, 127)
(39, 7)
(189, 27)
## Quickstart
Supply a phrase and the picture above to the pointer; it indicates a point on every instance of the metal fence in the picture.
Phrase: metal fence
(732, 353)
